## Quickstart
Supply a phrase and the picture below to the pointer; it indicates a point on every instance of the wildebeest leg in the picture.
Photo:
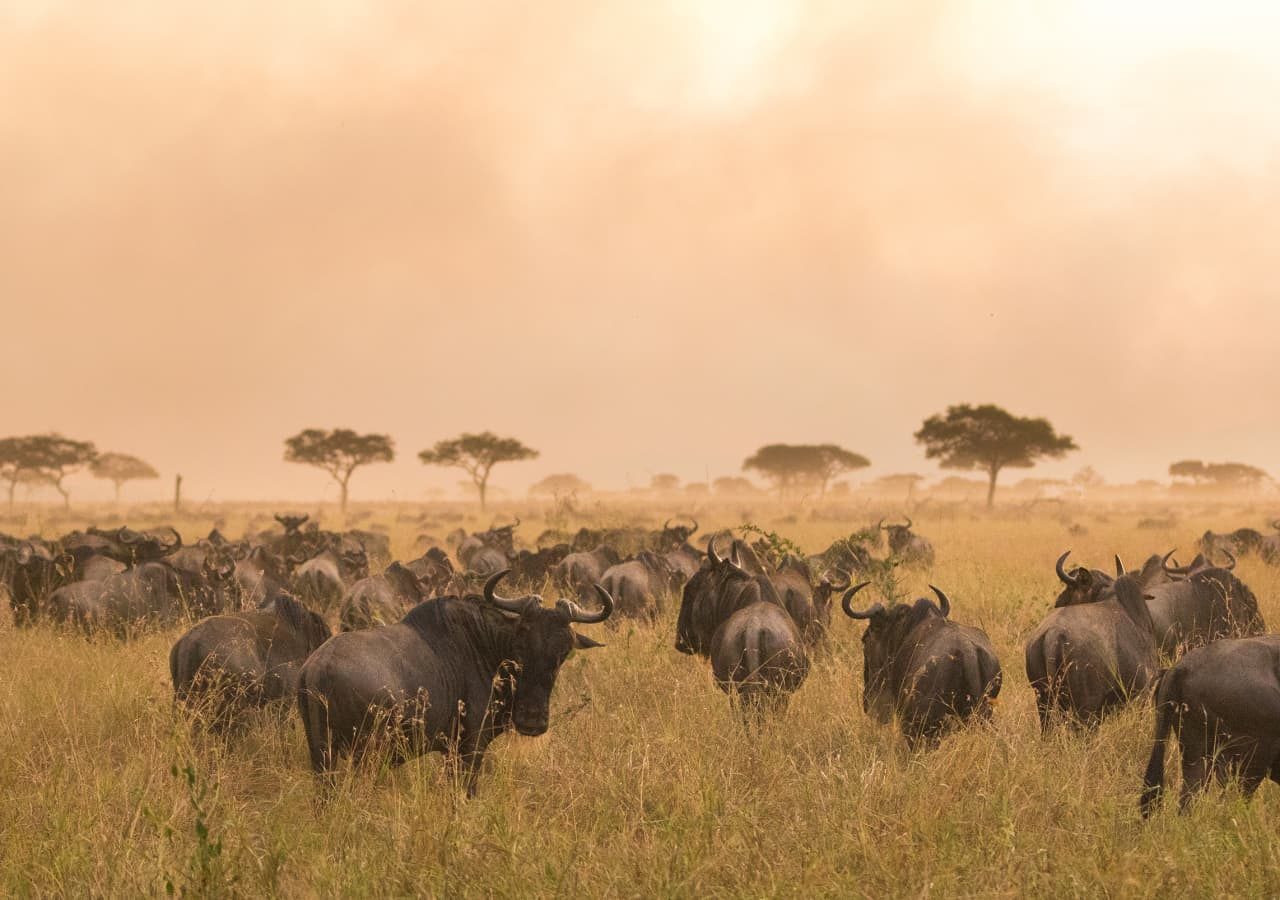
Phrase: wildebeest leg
(1195, 774)
(1044, 708)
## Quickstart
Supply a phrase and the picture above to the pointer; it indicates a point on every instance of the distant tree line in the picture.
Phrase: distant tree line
(985, 438)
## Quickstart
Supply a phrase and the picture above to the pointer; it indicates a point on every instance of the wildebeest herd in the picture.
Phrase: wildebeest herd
(430, 656)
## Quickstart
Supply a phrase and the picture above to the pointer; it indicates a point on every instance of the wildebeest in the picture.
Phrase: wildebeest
(639, 585)
(228, 662)
(151, 594)
(478, 552)
(449, 677)
(320, 581)
(758, 656)
(718, 590)
(533, 567)
(909, 547)
(808, 604)
(1088, 657)
(686, 558)
(1199, 604)
(382, 599)
(930, 672)
(581, 569)
(36, 569)
(1222, 701)
(1244, 542)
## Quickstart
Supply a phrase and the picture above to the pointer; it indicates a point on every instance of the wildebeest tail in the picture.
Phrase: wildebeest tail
(1166, 703)
(314, 711)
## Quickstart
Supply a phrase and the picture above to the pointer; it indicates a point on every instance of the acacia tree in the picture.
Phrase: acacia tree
(477, 454)
(991, 439)
(664, 481)
(121, 467)
(792, 465)
(339, 452)
(1224, 474)
(14, 459)
(49, 459)
(559, 485)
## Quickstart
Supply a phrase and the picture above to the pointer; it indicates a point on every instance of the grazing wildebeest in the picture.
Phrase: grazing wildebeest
(382, 599)
(1222, 701)
(1243, 542)
(672, 536)
(930, 672)
(499, 541)
(809, 604)
(1198, 604)
(321, 581)
(259, 574)
(639, 585)
(686, 559)
(533, 567)
(434, 570)
(1086, 658)
(151, 594)
(228, 662)
(377, 546)
(449, 677)
(758, 657)
(581, 569)
(908, 546)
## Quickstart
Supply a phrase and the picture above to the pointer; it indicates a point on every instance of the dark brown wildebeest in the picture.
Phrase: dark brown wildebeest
(1244, 542)
(718, 590)
(500, 542)
(450, 677)
(1092, 655)
(1198, 604)
(382, 599)
(1222, 701)
(229, 662)
(36, 569)
(321, 580)
(638, 586)
(758, 657)
(918, 665)
(533, 567)
(809, 604)
(911, 548)
(687, 559)
(581, 569)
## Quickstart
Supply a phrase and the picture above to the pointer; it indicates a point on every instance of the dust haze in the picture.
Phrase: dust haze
(640, 237)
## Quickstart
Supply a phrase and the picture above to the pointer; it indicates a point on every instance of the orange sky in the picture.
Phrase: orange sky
(641, 237)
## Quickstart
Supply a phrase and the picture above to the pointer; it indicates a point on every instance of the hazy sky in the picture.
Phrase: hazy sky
(642, 237)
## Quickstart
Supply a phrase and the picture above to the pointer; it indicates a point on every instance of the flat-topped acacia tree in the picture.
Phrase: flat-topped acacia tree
(800, 465)
(339, 452)
(119, 468)
(477, 454)
(990, 438)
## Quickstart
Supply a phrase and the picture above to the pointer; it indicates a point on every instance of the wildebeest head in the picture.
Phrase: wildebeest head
(540, 640)
(1082, 585)
(673, 536)
(888, 635)
(292, 523)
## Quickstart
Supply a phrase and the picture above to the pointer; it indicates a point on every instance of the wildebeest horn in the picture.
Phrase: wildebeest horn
(943, 603)
(666, 526)
(129, 536)
(1164, 564)
(577, 614)
(909, 522)
(1275, 523)
(177, 538)
(880, 524)
(734, 559)
(853, 613)
(1062, 573)
(1119, 567)
(695, 526)
(513, 606)
(711, 552)
(1229, 556)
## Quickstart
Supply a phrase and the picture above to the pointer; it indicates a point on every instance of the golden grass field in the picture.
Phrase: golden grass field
(646, 784)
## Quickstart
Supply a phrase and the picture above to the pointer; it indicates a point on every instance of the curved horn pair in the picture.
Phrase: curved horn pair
(522, 605)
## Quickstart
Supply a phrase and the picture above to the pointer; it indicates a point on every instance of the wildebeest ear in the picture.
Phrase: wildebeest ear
(582, 642)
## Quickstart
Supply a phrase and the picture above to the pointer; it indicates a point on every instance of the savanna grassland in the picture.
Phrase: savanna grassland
(646, 784)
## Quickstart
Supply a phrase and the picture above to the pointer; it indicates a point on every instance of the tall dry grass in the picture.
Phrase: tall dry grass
(646, 784)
